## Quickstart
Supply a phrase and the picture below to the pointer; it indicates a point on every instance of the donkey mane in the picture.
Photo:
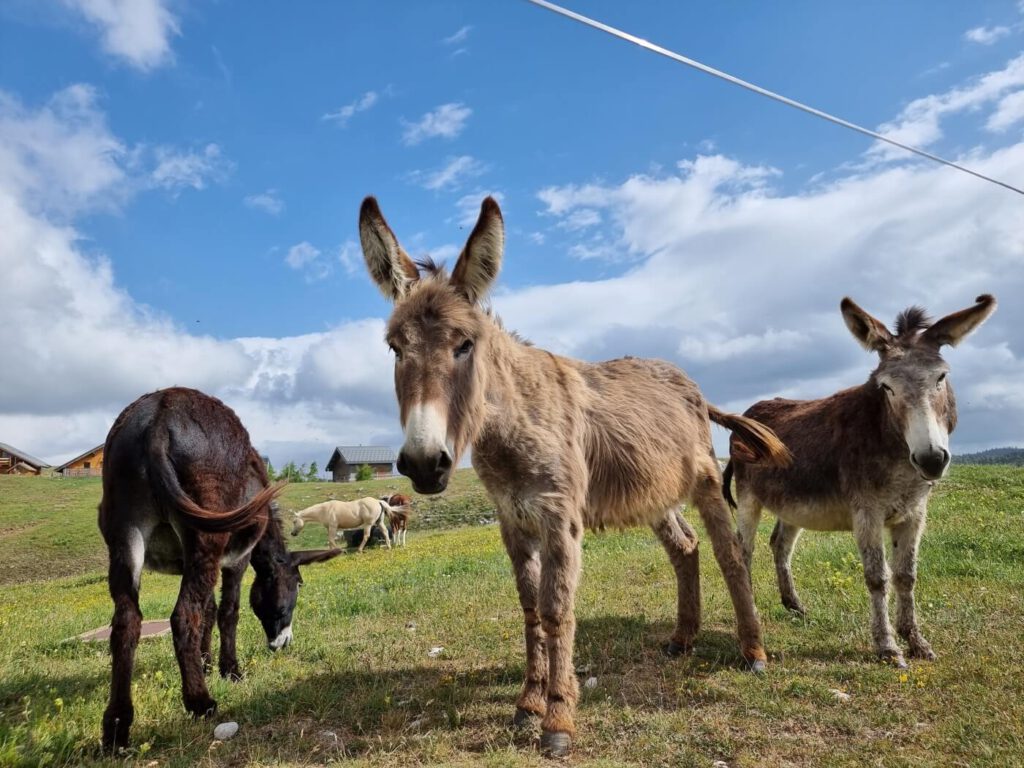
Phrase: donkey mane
(910, 321)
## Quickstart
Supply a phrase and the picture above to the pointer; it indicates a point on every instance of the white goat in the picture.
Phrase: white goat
(346, 515)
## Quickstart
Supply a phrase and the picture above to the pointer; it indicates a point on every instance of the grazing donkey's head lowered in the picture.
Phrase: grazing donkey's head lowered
(436, 332)
(913, 375)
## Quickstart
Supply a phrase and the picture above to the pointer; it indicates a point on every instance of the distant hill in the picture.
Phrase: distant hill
(1014, 456)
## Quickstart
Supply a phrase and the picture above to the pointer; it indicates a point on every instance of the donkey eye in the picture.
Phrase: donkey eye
(463, 349)
(887, 388)
(396, 350)
(942, 378)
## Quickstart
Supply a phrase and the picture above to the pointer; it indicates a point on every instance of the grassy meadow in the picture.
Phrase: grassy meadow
(359, 686)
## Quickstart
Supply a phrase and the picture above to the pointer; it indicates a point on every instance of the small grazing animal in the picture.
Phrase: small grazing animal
(185, 493)
(864, 459)
(345, 515)
(560, 445)
(401, 508)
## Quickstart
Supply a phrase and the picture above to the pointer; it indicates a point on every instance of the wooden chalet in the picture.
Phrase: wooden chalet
(347, 459)
(16, 462)
(89, 464)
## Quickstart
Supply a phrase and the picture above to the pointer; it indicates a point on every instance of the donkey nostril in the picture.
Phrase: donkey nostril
(444, 461)
(402, 464)
(945, 457)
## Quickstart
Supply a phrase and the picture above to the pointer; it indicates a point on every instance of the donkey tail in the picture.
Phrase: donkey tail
(727, 485)
(207, 520)
(752, 442)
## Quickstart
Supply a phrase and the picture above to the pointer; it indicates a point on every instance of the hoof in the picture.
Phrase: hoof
(202, 709)
(232, 675)
(758, 666)
(555, 743)
(115, 732)
(524, 719)
(893, 657)
(672, 648)
(923, 652)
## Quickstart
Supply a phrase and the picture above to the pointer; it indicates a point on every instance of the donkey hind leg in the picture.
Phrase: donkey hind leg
(680, 542)
(748, 516)
(367, 530)
(783, 540)
(126, 559)
(707, 497)
(197, 584)
(209, 619)
(868, 531)
(561, 561)
(227, 618)
(332, 537)
(524, 552)
(905, 540)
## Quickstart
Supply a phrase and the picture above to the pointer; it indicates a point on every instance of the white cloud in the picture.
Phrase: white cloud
(919, 124)
(342, 115)
(306, 258)
(447, 121)
(137, 31)
(176, 169)
(986, 35)
(1008, 112)
(268, 202)
(350, 255)
(451, 175)
(459, 36)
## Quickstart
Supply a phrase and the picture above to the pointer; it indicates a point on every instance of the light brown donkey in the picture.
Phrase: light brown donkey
(865, 460)
(560, 445)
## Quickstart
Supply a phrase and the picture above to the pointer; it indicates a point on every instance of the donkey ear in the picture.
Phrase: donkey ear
(871, 333)
(307, 556)
(389, 266)
(953, 328)
(480, 260)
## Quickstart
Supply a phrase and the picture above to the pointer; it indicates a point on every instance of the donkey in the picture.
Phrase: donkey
(335, 515)
(559, 444)
(401, 508)
(865, 459)
(184, 492)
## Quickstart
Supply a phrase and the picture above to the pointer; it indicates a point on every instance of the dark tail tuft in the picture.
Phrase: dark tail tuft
(207, 520)
(753, 442)
(727, 485)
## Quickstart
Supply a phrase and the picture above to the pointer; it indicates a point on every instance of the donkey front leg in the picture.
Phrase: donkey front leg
(906, 539)
(197, 584)
(227, 619)
(726, 545)
(680, 542)
(524, 552)
(125, 628)
(867, 529)
(561, 560)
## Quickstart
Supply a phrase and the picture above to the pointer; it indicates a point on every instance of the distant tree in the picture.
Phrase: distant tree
(365, 472)
(314, 473)
(292, 473)
(270, 471)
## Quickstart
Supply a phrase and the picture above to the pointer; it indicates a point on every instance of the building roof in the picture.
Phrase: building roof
(28, 458)
(88, 453)
(361, 454)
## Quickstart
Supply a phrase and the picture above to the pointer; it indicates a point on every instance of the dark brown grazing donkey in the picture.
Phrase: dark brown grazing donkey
(185, 493)
(864, 459)
(560, 445)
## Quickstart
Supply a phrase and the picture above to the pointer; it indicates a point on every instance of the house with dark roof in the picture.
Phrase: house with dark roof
(347, 459)
(16, 462)
(89, 464)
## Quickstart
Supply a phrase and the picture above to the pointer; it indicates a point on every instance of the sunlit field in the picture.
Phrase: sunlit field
(360, 685)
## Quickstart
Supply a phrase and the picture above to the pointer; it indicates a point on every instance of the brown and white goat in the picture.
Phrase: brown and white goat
(864, 459)
(560, 445)
(185, 493)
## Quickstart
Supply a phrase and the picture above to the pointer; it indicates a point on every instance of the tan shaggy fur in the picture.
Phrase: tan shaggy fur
(561, 445)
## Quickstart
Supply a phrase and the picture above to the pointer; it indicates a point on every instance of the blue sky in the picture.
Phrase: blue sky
(200, 166)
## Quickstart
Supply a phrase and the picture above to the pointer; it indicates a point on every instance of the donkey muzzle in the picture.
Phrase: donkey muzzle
(429, 472)
(931, 464)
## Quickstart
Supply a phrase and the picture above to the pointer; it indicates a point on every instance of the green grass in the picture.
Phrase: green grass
(356, 671)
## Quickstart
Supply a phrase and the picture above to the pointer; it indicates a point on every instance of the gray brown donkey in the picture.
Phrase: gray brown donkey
(864, 459)
(560, 445)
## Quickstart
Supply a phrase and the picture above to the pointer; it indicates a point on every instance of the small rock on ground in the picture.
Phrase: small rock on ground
(225, 731)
